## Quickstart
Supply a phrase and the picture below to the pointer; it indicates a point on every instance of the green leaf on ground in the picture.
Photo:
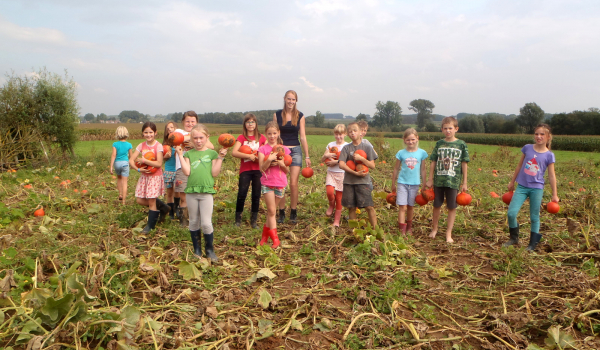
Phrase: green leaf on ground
(264, 298)
(189, 271)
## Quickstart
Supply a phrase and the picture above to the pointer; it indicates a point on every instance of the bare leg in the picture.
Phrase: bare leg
(451, 217)
(436, 219)
(294, 176)
(410, 211)
(147, 202)
(402, 214)
(120, 185)
(372, 216)
(182, 201)
(352, 213)
(170, 195)
(271, 202)
(124, 188)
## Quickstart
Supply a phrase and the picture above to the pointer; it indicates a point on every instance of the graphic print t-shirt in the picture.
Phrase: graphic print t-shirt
(201, 179)
(449, 157)
(247, 164)
(335, 168)
(177, 163)
(534, 167)
(410, 172)
(347, 154)
(143, 148)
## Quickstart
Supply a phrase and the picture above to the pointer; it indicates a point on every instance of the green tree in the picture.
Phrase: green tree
(361, 116)
(530, 115)
(319, 119)
(471, 124)
(101, 117)
(89, 117)
(424, 109)
(131, 117)
(387, 116)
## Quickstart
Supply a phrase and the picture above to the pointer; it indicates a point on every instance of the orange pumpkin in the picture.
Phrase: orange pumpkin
(333, 149)
(494, 195)
(507, 197)
(167, 149)
(39, 212)
(553, 207)
(226, 140)
(391, 198)
(307, 172)
(362, 168)
(428, 194)
(280, 151)
(175, 138)
(287, 160)
(421, 200)
(245, 149)
(362, 153)
(463, 199)
(351, 165)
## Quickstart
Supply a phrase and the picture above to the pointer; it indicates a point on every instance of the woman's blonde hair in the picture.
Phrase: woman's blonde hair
(548, 130)
(275, 126)
(121, 133)
(200, 128)
(340, 129)
(294, 111)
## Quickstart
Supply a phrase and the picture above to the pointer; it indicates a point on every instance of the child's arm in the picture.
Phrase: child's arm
(185, 162)
(464, 168)
(284, 168)
(327, 158)
(236, 152)
(265, 161)
(511, 184)
(552, 179)
(429, 182)
(397, 168)
(112, 159)
(365, 161)
(216, 163)
(344, 167)
(154, 163)
(423, 170)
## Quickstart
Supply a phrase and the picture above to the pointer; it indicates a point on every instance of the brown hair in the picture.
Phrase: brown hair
(257, 135)
(363, 125)
(150, 125)
(189, 114)
(166, 133)
(548, 132)
(351, 124)
(275, 126)
(294, 111)
(450, 120)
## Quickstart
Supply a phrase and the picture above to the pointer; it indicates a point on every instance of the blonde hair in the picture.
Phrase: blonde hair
(294, 111)
(411, 131)
(362, 125)
(121, 133)
(275, 126)
(450, 120)
(546, 127)
(201, 128)
(340, 129)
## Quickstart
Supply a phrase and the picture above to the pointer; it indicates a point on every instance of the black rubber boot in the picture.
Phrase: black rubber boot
(176, 205)
(514, 237)
(208, 247)
(253, 220)
(196, 242)
(238, 218)
(163, 209)
(533, 241)
(184, 219)
(152, 219)
(293, 216)
(281, 217)
(172, 212)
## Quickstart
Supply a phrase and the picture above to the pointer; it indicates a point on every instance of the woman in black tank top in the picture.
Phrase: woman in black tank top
(293, 133)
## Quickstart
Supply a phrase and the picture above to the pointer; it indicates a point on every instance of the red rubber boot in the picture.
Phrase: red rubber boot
(265, 235)
(275, 238)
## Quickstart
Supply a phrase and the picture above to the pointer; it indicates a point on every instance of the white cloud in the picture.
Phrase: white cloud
(311, 85)
(35, 35)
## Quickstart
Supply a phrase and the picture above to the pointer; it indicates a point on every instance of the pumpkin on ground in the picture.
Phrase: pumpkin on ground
(307, 172)
(553, 207)
(362, 168)
(361, 153)
(428, 194)
(421, 200)
(463, 199)
(287, 160)
(39, 212)
(226, 140)
(507, 197)
(351, 165)
(391, 198)
(175, 138)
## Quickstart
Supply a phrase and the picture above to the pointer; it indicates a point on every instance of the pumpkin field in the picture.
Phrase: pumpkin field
(80, 275)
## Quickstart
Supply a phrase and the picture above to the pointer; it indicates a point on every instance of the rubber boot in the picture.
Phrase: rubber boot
(274, 237)
(172, 212)
(293, 216)
(176, 204)
(196, 242)
(152, 219)
(265, 235)
(402, 228)
(184, 218)
(254, 219)
(331, 207)
(238, 218)
(208, 247)
(163, 209)
(281, 216)
(409, 227)
(337, 217)
(533, 241)
(514, 237)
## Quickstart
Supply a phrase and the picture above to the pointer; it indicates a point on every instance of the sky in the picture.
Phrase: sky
(159, 57)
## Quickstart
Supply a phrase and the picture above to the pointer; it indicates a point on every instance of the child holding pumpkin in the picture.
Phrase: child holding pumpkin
(271, 159)
(529, 175)
(334, 182)
(449, 160)
(246, 148)
(119, 161)
(408, 172)
(201, 165)
(150, 185)
(169, 172)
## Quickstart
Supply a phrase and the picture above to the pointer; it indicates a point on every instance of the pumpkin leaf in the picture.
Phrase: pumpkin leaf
(558, 338)
(55, 309)
(265, 272)
(296, 325)
(82, 293)
(264, 298)
(265, 326)
(189, 271)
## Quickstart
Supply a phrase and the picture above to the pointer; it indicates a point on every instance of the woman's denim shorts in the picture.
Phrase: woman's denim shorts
(121, 168)
(296, 155)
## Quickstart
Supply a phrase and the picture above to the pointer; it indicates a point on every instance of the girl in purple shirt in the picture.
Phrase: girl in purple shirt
(529, 175)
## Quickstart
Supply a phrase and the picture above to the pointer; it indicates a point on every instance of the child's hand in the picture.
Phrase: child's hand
(359, 158)
(555, 198)
(144, 170)
(167, 155)
(429, 183)
(141, 160)
(394, 188)
(111, 170)
(223, 152)
(329, 154)
(331, 162)
(252, 157)
(361, 173)
(464, 188)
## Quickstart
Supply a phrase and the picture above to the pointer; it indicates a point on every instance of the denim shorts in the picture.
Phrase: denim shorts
(279, 192)
(296, 154)
(406, 194)
(121, 168)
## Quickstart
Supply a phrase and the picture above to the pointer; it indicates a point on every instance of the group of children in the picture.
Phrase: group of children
(190, 170)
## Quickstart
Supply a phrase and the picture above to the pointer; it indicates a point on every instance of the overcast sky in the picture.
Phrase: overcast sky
(340, 56)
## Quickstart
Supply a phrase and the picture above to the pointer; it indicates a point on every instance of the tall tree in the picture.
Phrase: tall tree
(89, 117)
(101, 117)
(530, 115)
(319, 119)
(131, 116)
(471, 123)
(388, 115)
(424, 109)
(361, 116)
